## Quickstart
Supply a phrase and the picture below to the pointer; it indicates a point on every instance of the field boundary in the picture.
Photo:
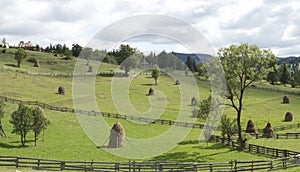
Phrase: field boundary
(107, 114)
(234, 166)
(86, 74)
(256, 149)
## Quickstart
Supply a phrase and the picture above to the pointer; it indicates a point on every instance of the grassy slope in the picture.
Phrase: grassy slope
(65, 140)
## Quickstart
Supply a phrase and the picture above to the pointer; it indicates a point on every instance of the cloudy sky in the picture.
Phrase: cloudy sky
(267, 23)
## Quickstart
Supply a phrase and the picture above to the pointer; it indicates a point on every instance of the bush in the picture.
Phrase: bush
(3, 51)
(31, 59)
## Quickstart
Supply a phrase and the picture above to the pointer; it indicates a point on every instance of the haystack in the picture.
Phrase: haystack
(117, 136)
(61, 90)
(285, 100)
(151, 92)
(251, 128)
(36, 63)
(268, 131)
(177, 82)
(288, 117)
(90, 68)
(194, 101)
(40, 109)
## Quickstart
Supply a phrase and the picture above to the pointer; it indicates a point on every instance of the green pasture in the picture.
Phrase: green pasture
(66, 140)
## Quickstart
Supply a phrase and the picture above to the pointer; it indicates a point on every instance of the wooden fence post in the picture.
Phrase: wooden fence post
(235, 165)
(117, 167)
(210, 167)
(62, 165)
(271, 164)
(17, 162)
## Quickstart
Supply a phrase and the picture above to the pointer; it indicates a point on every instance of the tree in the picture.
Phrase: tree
(130, 63)
(22, 122)
(155, 74)
(76, 49)
(191, 64)
(40, 122)
(228, 127)
(272, 76)
(86, 53)
(4, 41)
(2, 105)
(243, 65)
(204, 108)
(284, 74)
(68, 54)
(296, 78)
(124, 52)
(20, 55)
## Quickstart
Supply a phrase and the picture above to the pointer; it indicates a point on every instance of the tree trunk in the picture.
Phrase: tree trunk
(155, 81)
(19, 63)
(241, 139)
(35, 136)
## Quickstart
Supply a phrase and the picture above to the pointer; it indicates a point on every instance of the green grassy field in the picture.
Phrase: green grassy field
(65, 139)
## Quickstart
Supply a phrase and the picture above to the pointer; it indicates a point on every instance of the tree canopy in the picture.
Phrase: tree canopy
(20, 55)
(243, 64)
(155, 74)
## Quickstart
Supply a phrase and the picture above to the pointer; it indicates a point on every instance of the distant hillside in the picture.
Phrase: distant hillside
(197, 57)
(288, 60)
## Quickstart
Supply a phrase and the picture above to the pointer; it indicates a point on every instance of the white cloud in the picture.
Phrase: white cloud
(269, 24)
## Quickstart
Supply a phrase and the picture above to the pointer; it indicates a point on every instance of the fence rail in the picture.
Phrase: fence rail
(295, 135)
(105, 74)
(256, 149)
(59, 165)
(107, 114)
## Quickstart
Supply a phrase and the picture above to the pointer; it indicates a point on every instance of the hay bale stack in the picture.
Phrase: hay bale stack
(40, 109)
(151, 92)
(61, 90)
(285, 100)
(177, 82)
(194, 101)
(36, 63)
(117, 136)
(251, 128)
(268, 131)
(288, 117)
(90, 68)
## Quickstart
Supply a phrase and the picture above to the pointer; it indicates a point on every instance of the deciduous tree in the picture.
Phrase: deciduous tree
(20, 55)
(243, 65)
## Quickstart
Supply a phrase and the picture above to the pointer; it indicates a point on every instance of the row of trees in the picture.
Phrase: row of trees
(285, 74)
(24, 120)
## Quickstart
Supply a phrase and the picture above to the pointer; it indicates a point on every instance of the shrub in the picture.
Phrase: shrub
(31, 59)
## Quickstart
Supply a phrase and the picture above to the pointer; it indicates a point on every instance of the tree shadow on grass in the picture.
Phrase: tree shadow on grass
(148, 84)
(11, 146)
(11, 65)
(188, 157)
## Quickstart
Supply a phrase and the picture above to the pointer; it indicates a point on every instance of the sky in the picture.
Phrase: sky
(270, 24)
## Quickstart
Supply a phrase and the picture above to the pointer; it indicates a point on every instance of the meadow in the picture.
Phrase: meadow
(65, 139)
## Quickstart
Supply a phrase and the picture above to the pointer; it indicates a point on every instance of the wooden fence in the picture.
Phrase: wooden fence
(59, 165)
(256, 149)
(107, 114)
(131, 118)
(295, 135)
(104, 74)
